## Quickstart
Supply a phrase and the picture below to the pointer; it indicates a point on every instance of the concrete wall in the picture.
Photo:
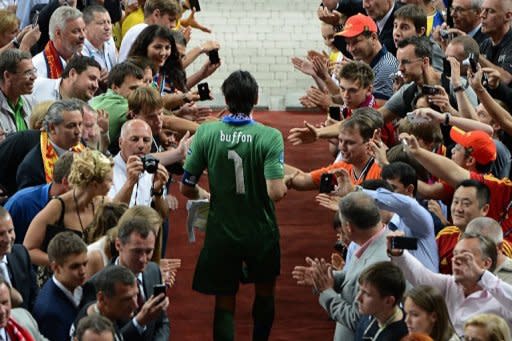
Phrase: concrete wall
(261, 36)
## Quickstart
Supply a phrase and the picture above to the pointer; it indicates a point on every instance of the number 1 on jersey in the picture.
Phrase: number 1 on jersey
(239, 171)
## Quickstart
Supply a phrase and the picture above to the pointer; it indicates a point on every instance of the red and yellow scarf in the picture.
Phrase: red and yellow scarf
(50, 155)
(53, 62)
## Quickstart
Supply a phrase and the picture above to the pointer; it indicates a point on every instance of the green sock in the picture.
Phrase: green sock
(263, 317)
(223, 327)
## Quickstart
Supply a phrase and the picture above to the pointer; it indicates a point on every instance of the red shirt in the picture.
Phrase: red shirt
(501, 201)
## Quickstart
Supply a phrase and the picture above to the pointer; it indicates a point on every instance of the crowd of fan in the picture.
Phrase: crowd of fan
(418, 124)
(96, 113)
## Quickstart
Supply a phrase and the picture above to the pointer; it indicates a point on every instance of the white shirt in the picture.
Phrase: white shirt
(75, 297)
(495, 296)
(4, 335)
(107, 57)
(5, 271)
(128, 40)
(40, 64)
(45, 89)
(142, 189)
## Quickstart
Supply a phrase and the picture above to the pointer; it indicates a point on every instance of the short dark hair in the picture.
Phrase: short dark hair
(63, 245)
(110, 276)
(80, 64)
(374, 184)
(422, 46)
(414, 13)
(360, 210)
(241, 92)
(387, 278)
(358, 71)
(364, 121)
(143, 62)
(483, 194)
(136, 225)
(402, 172)
(95, 323)
(88, 12)
(487, 247)
(9, 60)
(62, 167)
(120, 71)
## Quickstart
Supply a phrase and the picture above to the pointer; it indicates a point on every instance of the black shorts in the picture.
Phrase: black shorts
(223, 264)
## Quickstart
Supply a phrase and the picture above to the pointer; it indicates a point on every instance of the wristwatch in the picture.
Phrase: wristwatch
(157, 193)
(460, 88)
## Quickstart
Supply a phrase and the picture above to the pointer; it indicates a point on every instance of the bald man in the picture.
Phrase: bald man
(132, 183)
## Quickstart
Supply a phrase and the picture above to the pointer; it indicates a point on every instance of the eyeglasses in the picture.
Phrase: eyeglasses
(405, 62)
(28, 73)
(459, 9)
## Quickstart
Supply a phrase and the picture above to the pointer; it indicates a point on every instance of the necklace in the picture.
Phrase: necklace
(78, 212)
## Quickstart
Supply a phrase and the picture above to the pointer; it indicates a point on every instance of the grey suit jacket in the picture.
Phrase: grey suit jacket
(24, 319)
(340, 302)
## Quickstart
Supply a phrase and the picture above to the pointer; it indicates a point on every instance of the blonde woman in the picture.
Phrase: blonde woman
(91, 179)
(487, 327)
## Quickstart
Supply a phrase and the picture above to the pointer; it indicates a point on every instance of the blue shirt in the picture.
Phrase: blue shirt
(24, 205)
(414, 220)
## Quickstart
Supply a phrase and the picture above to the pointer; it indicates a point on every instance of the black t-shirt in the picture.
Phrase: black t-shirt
(500, 54)
(368, 330)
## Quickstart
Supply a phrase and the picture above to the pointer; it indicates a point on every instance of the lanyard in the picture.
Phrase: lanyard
(364, 172)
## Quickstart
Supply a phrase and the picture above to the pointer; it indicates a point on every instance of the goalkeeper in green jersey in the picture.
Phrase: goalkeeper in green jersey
(245, 162)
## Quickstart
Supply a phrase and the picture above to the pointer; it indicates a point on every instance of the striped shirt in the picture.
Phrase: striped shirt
(384, 65)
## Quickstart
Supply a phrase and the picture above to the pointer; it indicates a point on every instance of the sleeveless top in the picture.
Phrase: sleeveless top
(53, 229)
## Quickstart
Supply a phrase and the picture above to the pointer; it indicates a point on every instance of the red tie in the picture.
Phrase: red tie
(140, 297)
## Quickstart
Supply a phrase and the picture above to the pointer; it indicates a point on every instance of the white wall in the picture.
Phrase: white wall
(260, 36)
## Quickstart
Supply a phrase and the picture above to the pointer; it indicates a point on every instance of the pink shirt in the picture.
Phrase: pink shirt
(363, 247)
(495, 296)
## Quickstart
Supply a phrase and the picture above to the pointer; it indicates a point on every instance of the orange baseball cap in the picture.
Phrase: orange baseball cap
(483, 148)
(357, 24)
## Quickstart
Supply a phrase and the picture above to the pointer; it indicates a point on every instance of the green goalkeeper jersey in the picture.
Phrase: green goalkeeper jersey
(239, 157)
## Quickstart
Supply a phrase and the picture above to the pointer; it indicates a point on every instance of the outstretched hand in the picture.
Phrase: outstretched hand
(307, 134)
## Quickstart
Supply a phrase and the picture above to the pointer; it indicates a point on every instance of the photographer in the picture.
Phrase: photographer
(139, 179)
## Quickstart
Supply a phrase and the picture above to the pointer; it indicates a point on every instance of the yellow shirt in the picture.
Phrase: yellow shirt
(134, 18)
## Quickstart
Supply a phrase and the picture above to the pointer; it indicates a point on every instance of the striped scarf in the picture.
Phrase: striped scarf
(50, 155)
(53, 62)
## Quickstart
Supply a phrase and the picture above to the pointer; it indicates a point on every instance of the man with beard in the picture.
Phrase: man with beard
(67, 35)
(17, 76)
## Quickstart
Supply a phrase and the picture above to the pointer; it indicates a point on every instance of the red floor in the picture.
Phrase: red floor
(305, 231)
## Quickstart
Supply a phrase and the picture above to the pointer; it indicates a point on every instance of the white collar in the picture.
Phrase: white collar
(75, 296)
